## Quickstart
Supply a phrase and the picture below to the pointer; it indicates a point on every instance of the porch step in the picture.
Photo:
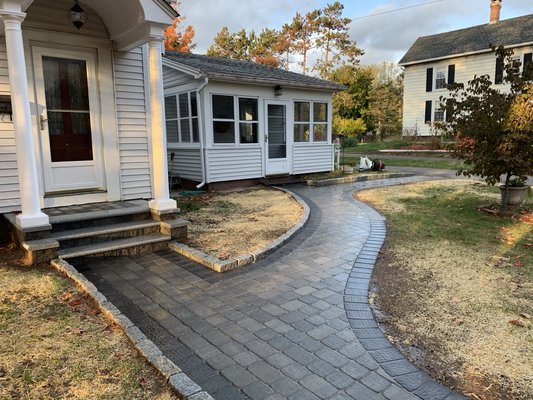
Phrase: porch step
(127, 246)
(96, 215)
(96, 234)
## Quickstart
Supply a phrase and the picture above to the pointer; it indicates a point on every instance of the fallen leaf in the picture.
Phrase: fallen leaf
(74, 303)
(94, 311)
(517, 322)
(67, 296)
(526, 316)
(77, 331)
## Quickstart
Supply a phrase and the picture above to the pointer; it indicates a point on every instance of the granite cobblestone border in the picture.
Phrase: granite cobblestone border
(365, 327)
(355, 178)
(175, 377)
(226, 265)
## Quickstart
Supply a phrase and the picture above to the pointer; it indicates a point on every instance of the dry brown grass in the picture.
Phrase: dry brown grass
(453, 297)
(238, 223)
(54, 344)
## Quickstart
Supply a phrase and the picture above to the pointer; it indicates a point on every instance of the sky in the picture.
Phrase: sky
(384, 37)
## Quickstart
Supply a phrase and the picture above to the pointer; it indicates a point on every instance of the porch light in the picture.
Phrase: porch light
(278, 90)
(77, 16)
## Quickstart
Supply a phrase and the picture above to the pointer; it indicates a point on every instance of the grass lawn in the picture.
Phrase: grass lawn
(391, 144)
(54, 343)
(409, 162)
(456, 285)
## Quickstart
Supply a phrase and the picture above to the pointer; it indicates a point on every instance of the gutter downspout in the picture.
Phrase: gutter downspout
(201, 118)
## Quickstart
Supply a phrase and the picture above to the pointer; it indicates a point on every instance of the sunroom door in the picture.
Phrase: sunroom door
(69, 120)
(276, 139)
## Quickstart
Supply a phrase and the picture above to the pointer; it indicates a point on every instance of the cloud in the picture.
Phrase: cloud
(209, 16)
(383, 38)
(387, 37)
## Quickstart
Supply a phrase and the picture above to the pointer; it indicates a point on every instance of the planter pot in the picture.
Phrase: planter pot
(517, 195)
(347, 169)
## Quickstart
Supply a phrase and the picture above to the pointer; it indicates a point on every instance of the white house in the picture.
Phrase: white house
(87, 121)
(434, 61)
(231, 120)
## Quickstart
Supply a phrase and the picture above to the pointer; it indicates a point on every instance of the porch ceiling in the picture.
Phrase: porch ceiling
(129, 22)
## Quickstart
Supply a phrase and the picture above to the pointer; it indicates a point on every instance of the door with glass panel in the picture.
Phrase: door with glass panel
(276, 138)
(68, 120)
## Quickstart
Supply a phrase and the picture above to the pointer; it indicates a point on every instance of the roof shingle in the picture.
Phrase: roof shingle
(225, 69)
(509, 32)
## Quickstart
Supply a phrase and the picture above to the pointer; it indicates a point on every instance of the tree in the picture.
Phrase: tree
(354, 101)
(493, 128)
(386, 100)
(247, 46)
(177, 39)
(263, 48)
(304, 28)
(285, 43)
(333, 40)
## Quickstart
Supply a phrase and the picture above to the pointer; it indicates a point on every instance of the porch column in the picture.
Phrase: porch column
(31, 215)
(162, 200)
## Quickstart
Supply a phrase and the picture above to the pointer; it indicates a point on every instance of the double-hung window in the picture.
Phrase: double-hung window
(181, 116)
(310, 121)
(233, 115)
(440, 79)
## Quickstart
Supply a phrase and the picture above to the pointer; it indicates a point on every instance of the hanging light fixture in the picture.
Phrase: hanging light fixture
(77, 16)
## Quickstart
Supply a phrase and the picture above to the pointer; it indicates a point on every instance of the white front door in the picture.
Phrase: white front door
(69, 121)
(276, 138)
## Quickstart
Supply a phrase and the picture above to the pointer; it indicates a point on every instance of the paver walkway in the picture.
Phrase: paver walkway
(295, 325)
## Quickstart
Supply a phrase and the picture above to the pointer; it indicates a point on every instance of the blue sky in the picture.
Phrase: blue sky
(383, 38)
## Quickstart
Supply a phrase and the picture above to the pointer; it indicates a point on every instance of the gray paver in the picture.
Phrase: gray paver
(294, 325)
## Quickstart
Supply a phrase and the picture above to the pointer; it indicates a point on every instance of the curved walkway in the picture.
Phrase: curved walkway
(296, 325)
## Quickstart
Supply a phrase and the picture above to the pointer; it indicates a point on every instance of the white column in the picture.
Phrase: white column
(31, 215)
(162, 200)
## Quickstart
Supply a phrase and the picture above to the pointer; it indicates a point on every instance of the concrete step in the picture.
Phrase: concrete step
(96, 234)
(135, 211)
(127, 246)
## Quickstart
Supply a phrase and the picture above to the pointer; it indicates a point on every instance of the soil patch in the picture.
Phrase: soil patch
(238, 223)
(54, 343)
(454, 287)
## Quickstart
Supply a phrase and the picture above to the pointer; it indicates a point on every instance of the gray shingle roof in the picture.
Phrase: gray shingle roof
(477, 38)
(224, 69)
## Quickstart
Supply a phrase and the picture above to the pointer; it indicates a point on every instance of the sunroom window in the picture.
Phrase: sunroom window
(310, 121)
(181, 115)
(235, 114)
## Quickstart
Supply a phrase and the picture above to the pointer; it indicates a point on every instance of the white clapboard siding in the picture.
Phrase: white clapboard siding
(187, 163)
(132, 124)
(312, 157)
(415, 95)
(229, 164)
(9, 187)
(52, 15)
(174, 78)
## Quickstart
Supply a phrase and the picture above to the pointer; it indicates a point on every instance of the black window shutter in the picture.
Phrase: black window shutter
(429, 80)
(498, 76)
(427, 119)
(451, 74)
(527, 58)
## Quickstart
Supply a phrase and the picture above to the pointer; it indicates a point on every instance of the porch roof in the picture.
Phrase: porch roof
(129, 22)
(224, 69)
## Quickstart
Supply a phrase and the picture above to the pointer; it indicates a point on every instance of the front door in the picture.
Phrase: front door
(276, 139)
(69, 120)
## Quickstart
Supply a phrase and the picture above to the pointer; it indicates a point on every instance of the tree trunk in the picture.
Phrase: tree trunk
(505, 198)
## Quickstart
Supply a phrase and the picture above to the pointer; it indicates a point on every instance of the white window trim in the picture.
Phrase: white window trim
(444, 72)
(179, 118)
(236, 122)
(311, 122)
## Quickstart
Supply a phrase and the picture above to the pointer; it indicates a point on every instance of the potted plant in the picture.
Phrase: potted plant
(514, 193)
(493, 128)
